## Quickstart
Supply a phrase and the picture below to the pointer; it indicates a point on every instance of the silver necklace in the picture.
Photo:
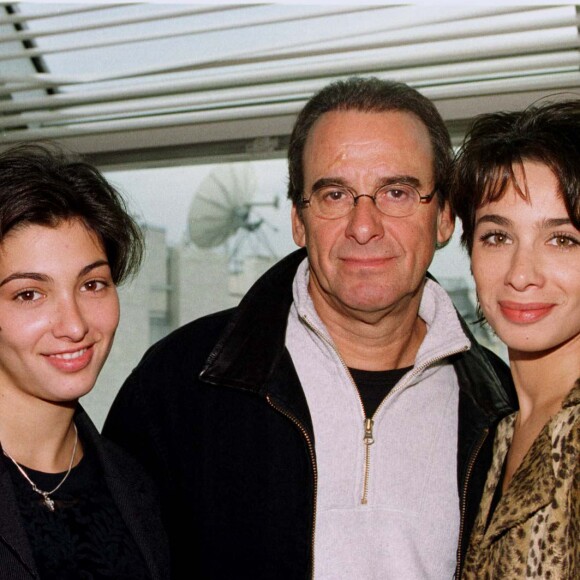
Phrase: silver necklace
(48, 501)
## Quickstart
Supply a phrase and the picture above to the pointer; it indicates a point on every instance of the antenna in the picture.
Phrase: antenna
(221, 211)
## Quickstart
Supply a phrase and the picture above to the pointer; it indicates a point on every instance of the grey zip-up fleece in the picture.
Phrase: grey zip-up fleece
(387, 501)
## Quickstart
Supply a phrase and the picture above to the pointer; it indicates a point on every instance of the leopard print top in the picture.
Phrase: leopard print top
(535, 529)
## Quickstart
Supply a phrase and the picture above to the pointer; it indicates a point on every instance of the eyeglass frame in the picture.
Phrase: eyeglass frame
(422, 199)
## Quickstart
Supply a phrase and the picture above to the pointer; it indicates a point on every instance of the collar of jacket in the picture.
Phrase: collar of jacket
(478, 374)
(253, 340)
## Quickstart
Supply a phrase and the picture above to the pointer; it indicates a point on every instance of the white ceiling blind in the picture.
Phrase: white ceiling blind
(145, 81)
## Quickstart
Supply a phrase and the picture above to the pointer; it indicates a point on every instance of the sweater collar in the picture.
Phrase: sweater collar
(445, 334)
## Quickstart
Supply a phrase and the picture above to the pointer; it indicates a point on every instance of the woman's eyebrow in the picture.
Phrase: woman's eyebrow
(92, 266)
(493, 218)
(25, 276)
(556, 222)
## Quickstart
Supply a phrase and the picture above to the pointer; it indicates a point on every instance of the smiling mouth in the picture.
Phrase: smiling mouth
(70, 355)
(525, 313)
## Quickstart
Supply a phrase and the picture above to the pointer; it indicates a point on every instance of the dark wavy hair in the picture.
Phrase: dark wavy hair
(497, 143)
(369, 95)
(43, 184)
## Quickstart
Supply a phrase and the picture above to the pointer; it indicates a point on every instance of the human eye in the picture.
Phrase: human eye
(95, 285)
(494, 238)
(331, 201)
(398, 193)
(564, 240)
(332, 196)
(28, 295)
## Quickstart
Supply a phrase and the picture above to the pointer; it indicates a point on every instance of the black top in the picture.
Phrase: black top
(374, 386)
(85, 536)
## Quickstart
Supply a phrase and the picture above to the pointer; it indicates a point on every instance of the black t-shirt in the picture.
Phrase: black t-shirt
(374, 386)
(85, 537)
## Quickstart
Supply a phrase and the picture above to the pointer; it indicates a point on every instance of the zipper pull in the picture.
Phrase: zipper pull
(368, 439)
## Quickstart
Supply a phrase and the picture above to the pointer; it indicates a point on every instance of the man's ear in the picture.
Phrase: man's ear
(298, 229)
(445, 225)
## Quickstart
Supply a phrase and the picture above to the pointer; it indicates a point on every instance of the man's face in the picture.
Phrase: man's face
(367, 264)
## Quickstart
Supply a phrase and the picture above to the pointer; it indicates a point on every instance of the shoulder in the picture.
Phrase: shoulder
(186, 347)
(115, 461)
(167, 376)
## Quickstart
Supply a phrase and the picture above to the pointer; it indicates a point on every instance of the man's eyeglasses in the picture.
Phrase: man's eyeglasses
(394, 200)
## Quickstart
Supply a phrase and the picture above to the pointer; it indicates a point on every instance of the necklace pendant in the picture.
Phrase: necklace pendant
(48, 502)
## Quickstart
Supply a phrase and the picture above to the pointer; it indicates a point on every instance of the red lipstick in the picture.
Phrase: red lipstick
(522, 313)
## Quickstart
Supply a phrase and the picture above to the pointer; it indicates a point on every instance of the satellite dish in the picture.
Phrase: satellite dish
(222, 207)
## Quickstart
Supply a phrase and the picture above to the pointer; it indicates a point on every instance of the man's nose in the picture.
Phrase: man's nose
(365, 221)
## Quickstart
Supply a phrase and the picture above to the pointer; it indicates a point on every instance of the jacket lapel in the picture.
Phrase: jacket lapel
(12, 532)
(531, 488)
(249, 349)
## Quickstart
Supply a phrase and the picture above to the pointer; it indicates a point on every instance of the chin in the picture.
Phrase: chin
(530, 346)
(77, 390)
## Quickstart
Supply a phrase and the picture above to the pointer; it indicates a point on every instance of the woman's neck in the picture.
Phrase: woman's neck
(40, 437)
(543, 380)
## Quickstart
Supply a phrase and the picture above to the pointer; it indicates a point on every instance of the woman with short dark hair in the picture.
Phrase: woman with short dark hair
(72, 504)
(516, 189)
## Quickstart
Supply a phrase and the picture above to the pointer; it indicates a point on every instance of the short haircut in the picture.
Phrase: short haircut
(547, 133)
(369, 95)
(42, 184)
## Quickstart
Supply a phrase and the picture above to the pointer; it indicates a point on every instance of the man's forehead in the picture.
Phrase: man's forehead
(383, 138)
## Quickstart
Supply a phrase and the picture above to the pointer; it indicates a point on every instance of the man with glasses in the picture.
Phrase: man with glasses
(337, 423)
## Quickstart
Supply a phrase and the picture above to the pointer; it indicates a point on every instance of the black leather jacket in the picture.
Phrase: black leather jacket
(217, 414)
